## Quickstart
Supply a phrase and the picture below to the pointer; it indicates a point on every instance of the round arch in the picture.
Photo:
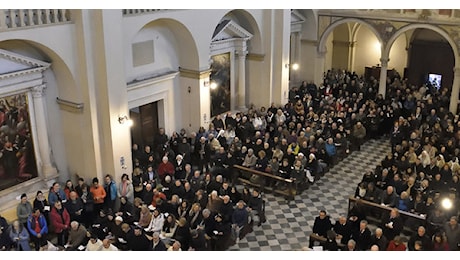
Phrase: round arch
(400, 31)
(331, 27)
(66, 85)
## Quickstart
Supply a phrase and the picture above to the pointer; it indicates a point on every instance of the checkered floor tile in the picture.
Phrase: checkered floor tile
(289, 225)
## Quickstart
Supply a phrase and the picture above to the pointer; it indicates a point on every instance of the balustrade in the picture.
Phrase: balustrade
(22, 18)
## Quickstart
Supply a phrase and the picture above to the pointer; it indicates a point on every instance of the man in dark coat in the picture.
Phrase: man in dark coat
(322, 224)
(343, 229)
(138, 241)
(362, 237)
(393, 225)
(427, 243)
(158, 244)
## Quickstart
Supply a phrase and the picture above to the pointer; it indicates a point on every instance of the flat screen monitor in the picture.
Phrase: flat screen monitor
(435, 80)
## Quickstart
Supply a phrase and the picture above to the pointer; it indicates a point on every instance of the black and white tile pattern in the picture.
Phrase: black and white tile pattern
(288, 226)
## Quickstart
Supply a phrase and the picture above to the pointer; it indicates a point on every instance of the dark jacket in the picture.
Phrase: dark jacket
(321, 226)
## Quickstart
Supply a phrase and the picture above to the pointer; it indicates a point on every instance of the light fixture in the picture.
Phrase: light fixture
(446, 203)
(213, 85)
(295, 66)
(124, 119)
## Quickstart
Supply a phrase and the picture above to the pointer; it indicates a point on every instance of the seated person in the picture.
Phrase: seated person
(94, 243)
(78, 236)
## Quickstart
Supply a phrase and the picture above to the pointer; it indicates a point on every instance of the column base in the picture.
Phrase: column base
(242, 108)
(49, 172)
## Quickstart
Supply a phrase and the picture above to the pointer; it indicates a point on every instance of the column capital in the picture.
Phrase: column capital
(321, 54)
(38, 91)
(384, 62)
(241, 53)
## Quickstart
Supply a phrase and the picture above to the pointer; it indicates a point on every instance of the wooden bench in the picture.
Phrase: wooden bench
(382, 210)
(244, 176)
(316, 238)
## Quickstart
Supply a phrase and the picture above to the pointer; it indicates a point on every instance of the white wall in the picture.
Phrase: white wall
(165, 53)
(329, 48)
(367, 51)
(398, 55)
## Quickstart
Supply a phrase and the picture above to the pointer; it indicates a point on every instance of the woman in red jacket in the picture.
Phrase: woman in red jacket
(60, 222)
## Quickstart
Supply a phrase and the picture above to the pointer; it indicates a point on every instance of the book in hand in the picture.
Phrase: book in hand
(47, 208)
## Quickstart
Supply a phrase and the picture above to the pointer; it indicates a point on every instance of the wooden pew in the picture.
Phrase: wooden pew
(244, 176)
(314, 237)
(408, 217)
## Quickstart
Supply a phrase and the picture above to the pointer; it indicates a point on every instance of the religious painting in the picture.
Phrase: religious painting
(220, 84)
(17, 157)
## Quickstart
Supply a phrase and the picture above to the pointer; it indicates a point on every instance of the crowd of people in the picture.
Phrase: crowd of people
(420, 174)
(183, 195)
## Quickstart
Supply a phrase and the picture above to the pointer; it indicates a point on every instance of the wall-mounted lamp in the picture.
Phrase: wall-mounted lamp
(294, 66)
(212, 84)
(124, 119)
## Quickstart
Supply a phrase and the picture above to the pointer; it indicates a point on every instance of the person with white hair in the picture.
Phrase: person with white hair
(250, 159)
(165, 168)
(379, 239)
(203, 154)
(78, 236)
(179, 167)
(351, 245)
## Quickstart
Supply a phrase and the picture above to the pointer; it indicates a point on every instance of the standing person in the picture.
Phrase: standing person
(38, 228)
(20, 237)
(41, 203)
(55, 194)
(452, 231)
(203, 154)
(60, 221)
(393, 225)
(110, 188)
(23, 210)
(358, 135)
(75, 207)
(68, 189)
(99, 195)
(239, 219)
(125, 188)
(4, 235)
(88, 205)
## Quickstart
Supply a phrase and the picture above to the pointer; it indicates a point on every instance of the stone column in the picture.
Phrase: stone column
(241, 80)
(48, 170)
(455, 91)
(295, 58)
(319, 67)
(383, 76)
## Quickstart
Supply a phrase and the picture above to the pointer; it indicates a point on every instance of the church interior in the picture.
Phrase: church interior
(80, 87)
